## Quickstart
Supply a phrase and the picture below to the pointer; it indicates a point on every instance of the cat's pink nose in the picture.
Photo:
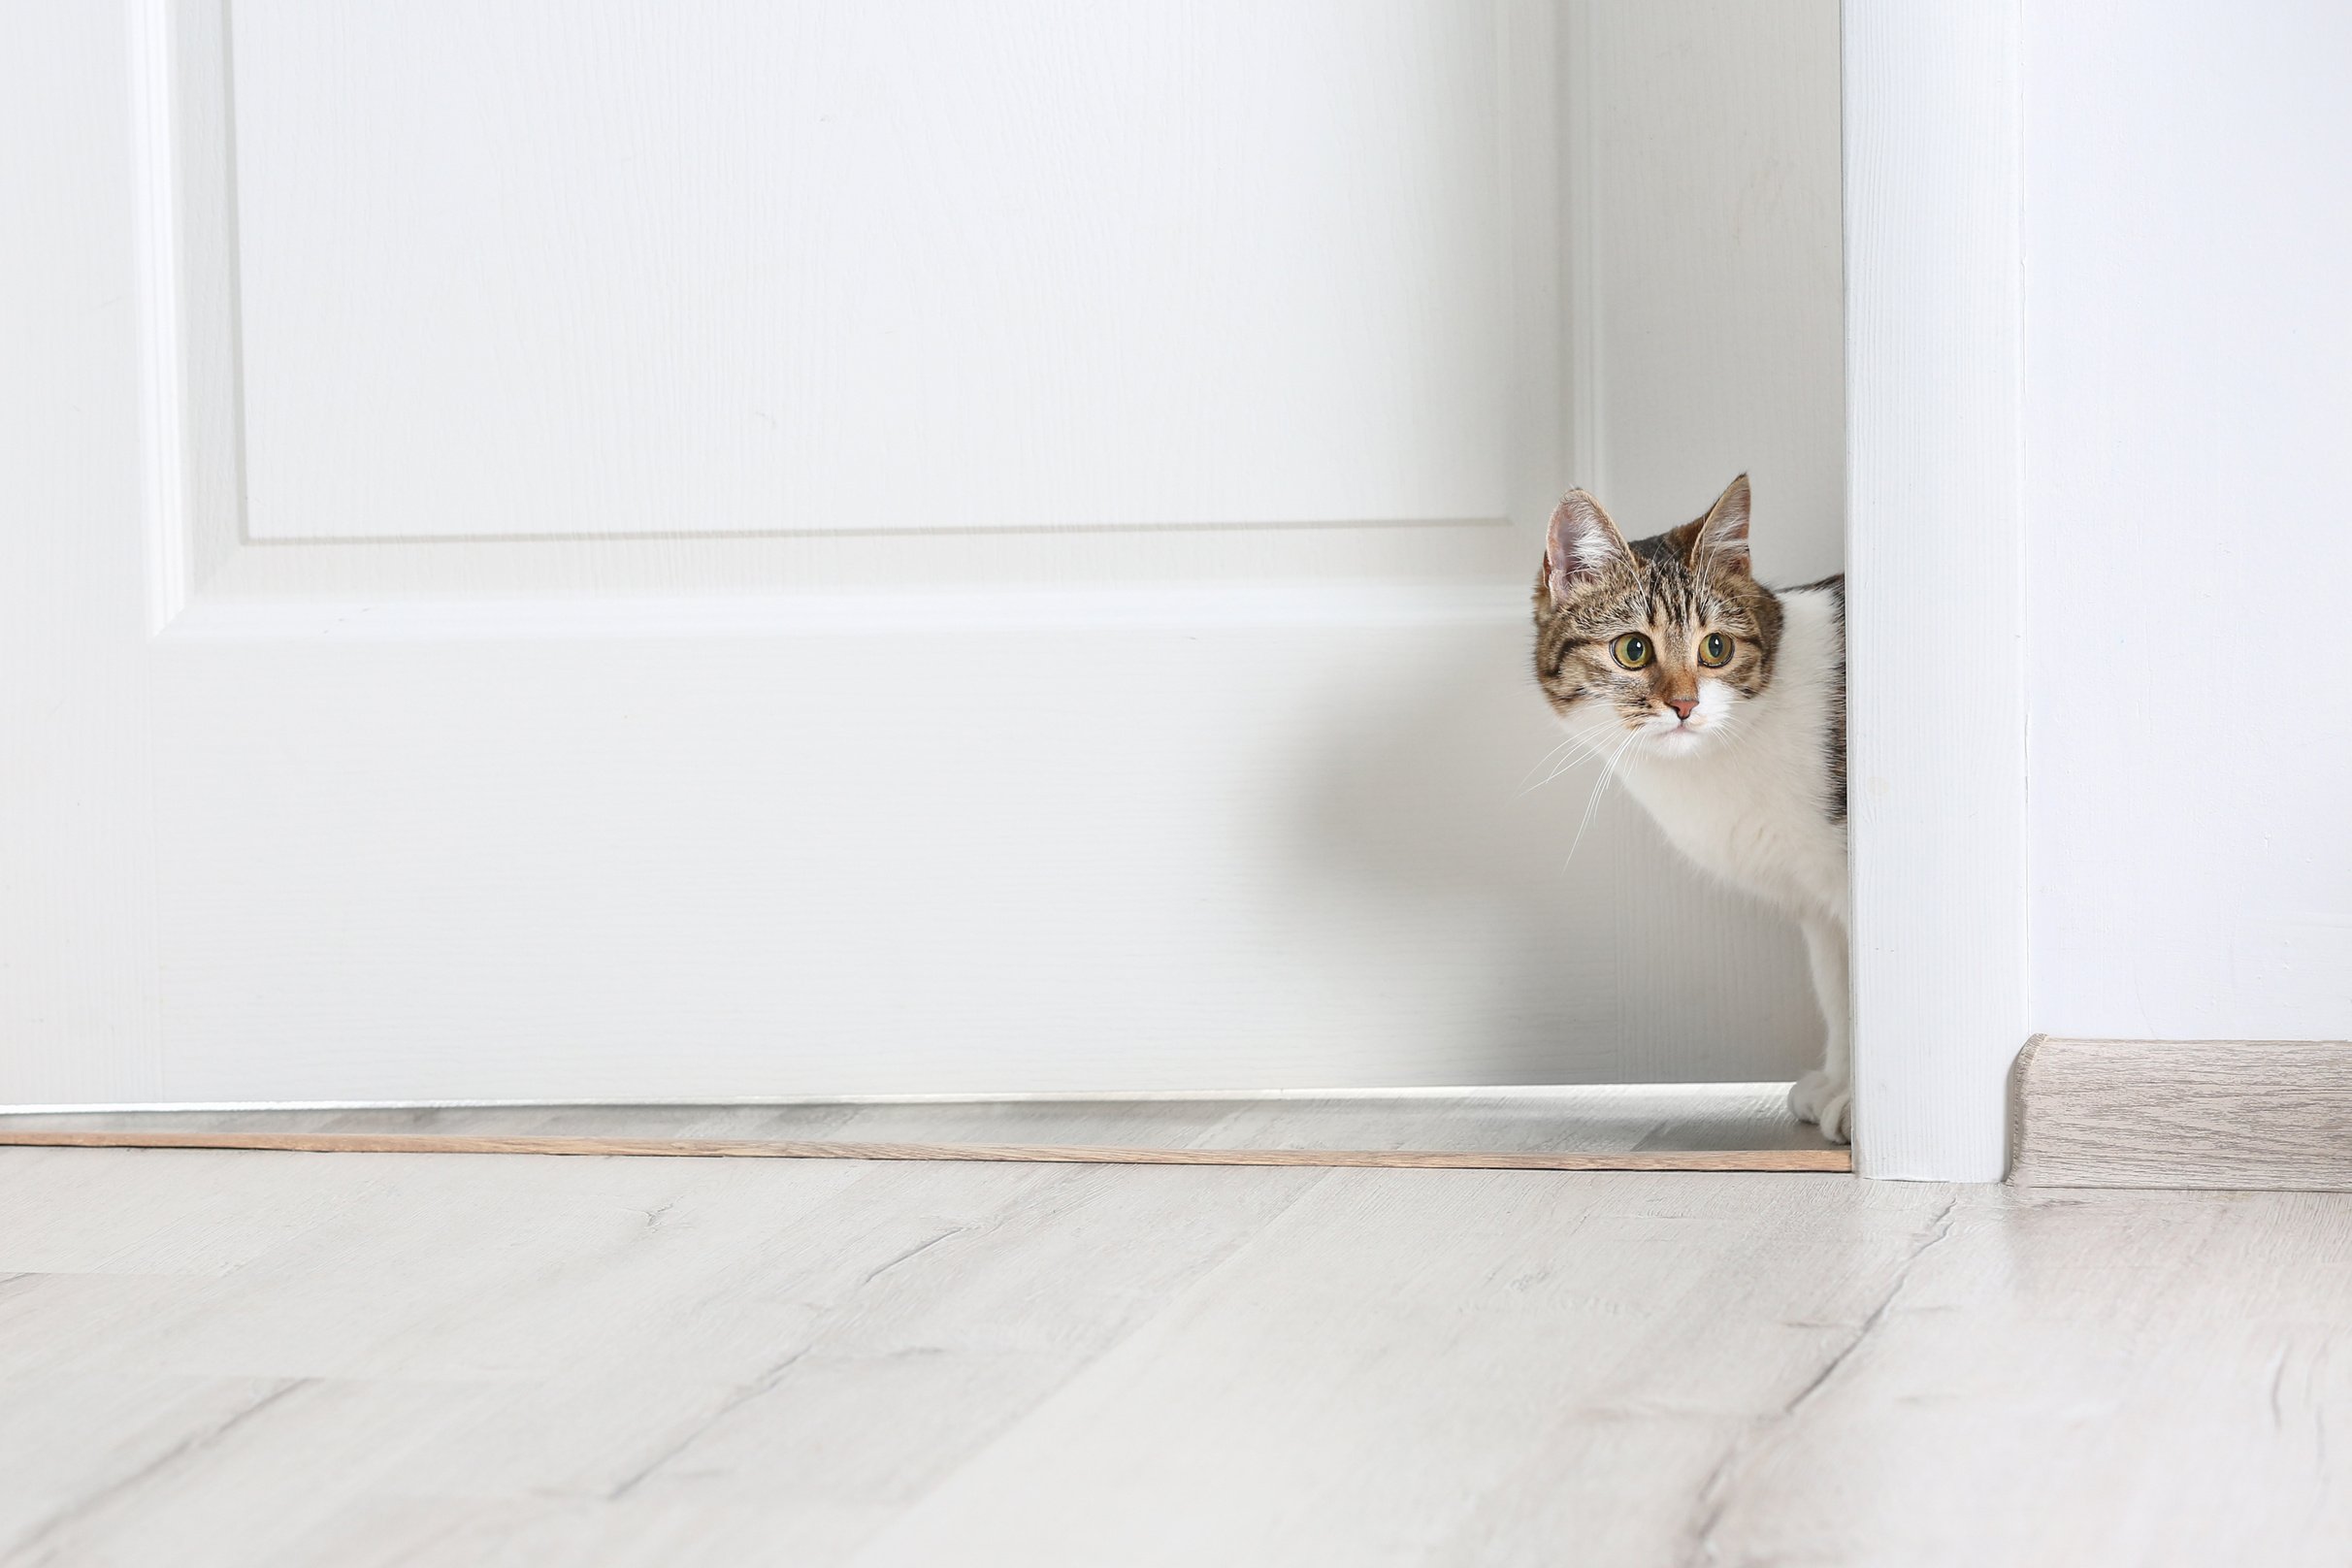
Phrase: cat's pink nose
(1681, 706)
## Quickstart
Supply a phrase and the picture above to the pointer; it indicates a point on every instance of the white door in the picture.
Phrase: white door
(601, 550)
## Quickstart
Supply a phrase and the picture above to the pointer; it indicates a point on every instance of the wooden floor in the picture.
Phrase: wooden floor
(218, 1358)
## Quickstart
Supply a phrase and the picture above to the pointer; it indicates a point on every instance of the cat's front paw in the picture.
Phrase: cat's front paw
(1827, 1101)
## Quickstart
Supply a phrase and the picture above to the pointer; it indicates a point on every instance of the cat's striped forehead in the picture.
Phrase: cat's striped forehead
(1656, 592)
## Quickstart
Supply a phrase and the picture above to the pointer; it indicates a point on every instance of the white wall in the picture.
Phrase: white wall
(2188, 417)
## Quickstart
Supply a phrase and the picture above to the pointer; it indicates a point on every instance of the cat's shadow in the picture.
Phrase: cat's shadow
(1438, 797)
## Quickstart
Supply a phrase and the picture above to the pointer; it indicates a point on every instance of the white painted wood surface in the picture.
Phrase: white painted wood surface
(1707, 136)
(2185, 1113)
(1935, 617)
(291, 1361)
(776, 805)
(861, 267)
(2189, 334)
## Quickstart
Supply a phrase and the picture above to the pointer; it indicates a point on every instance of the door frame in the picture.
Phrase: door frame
(1935, 560)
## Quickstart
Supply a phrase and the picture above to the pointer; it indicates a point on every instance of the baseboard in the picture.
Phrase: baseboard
(2246, 1113)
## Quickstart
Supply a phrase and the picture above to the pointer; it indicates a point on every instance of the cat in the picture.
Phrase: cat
(1721, 705)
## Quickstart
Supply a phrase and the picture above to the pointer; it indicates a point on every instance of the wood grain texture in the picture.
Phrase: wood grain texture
(2185, 1113)
(411, 1143)
(1935, 545)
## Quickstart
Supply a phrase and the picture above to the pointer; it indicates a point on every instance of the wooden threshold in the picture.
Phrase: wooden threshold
(2242, 1113)
(428, 1143)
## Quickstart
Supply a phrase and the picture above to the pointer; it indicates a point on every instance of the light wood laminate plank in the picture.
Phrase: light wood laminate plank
(2233, 1114)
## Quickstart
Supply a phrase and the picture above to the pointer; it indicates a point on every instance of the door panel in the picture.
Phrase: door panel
(599, 268)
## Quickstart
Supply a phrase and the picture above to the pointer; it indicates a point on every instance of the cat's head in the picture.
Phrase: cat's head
(1661, 640)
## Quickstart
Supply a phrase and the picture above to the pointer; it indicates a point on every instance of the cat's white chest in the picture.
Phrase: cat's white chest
(1753, 809)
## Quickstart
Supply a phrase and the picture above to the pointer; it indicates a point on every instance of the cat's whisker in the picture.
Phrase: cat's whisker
(1592, 804)
(1594, 752)
(1586, 750)
(1584, 745)
(1580, 746)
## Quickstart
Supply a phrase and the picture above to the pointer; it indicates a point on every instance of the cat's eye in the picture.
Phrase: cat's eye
(1715, 650)
(1633, 650)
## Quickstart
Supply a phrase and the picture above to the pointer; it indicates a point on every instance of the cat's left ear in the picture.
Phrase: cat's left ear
(1720, 540)
(1580, 545)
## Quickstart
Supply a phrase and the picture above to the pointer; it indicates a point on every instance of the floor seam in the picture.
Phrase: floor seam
(1722, 1486)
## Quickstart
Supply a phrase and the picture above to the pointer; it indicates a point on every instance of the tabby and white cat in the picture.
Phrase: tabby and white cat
(1721, 703)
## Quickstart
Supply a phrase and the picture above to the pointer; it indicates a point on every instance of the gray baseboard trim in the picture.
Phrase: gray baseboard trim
(2246, 1113)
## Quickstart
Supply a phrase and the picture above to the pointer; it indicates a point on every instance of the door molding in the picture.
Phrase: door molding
(211, 574)
(1935, 624)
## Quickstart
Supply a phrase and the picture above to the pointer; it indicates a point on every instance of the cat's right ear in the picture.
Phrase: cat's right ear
(1581, 544)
